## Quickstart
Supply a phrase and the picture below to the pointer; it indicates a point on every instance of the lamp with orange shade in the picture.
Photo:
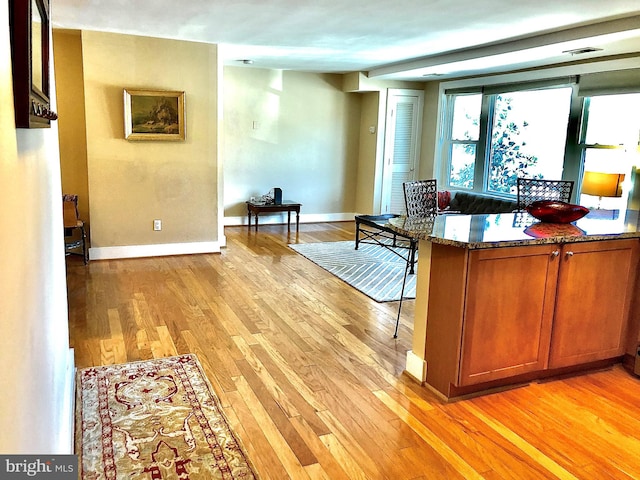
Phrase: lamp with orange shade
(601, 184)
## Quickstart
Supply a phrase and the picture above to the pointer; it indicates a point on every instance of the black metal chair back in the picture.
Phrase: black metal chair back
(533, 189)
(421, 198)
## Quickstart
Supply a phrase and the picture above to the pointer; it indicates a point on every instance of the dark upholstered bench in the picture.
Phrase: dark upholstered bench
(471, 202)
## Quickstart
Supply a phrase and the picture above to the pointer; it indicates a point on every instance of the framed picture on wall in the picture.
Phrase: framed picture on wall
(30, 41)
(154, 115)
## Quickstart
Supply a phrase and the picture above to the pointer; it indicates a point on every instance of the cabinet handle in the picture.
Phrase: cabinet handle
(555, 253)
(569, 253)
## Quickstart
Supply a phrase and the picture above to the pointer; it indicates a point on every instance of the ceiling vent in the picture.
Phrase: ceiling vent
(582, 51)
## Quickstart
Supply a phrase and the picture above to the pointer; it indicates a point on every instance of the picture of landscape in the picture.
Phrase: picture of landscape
(151, 115)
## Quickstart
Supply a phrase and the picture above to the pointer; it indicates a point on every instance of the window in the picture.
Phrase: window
(465, 133)
(493, 138)
(552, 129)
(609, 146)
(528, 137)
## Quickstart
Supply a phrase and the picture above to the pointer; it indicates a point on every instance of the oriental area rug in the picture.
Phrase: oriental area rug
(374, 270)
(155, 419)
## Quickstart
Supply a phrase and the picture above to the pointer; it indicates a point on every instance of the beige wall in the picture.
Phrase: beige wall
(297, 131)
(427, 167)
(370, 155)
(37, 368)
(374, 95)
(132, 183)
(71, 126)
(305, 133)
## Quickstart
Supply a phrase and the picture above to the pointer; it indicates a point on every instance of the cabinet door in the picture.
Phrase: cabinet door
(508, 314)
(594, 296)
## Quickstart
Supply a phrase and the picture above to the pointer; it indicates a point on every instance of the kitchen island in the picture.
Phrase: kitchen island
(505, 299)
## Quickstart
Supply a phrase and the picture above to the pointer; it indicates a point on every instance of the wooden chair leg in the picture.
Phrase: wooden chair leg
(85, 251)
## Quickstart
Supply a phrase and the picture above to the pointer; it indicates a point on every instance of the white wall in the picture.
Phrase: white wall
(297, 131)
(37, 368)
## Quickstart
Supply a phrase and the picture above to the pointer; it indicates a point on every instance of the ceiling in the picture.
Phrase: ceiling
(407, 39)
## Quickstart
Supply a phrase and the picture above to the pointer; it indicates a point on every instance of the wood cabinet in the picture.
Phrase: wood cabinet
(508, 312)
(595, 288)
(526, 309)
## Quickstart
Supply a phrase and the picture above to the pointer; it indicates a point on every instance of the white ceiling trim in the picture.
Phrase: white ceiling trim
(543, 74)
(550, 47)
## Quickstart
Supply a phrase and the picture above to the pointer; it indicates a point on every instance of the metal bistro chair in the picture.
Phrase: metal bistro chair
(421, 201)
(533, 189)
(421, 198)
(72, 222)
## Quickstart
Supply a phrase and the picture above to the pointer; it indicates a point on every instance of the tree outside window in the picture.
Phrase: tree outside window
(527, 136)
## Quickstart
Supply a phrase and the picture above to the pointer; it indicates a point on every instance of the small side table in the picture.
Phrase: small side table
(286, 206)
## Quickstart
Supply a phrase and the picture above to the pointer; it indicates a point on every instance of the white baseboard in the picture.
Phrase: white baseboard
(416, 367)
(159, 250)
(281, 218)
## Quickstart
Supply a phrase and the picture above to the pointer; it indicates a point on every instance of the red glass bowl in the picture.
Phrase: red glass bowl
(555, 211)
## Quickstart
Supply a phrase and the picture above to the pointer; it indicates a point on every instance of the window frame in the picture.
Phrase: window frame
(449, 142)
(573, 154)
(583, 147)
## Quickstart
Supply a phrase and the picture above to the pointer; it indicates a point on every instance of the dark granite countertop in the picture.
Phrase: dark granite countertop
(515, 229)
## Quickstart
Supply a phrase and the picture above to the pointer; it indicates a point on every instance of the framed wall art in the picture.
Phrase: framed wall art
(154, 115)
(30, 40)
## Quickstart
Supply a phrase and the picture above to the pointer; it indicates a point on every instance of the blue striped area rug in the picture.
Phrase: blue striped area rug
(374, 270)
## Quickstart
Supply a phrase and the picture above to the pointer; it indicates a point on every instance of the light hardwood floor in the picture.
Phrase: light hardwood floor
(312, 380)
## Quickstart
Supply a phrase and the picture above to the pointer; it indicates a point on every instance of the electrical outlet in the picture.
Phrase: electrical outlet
(157, 225)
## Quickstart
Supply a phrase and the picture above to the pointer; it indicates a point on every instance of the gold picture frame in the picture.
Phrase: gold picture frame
(154, 115)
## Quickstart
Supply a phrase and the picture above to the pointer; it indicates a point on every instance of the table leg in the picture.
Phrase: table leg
(288, 220)
(249, 215)
(298, 220)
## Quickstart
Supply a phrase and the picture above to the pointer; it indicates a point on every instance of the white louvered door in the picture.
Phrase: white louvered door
(402, 146)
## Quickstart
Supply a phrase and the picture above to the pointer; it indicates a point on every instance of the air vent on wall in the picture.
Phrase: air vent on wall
(581, 51)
